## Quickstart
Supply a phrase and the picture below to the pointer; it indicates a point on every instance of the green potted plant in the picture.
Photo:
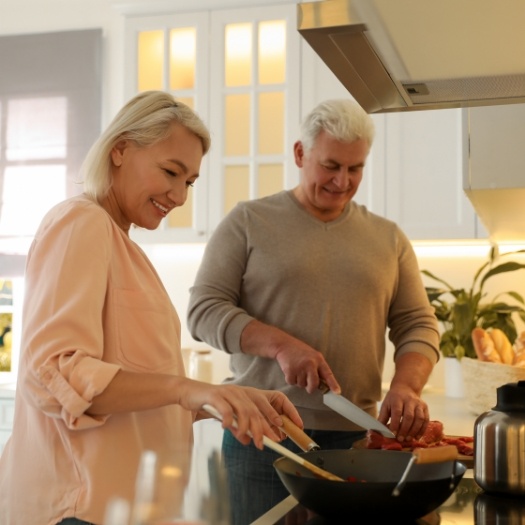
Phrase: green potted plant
(460, 310)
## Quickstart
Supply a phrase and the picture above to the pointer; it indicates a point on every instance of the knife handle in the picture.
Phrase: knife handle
(323, 387)
(300, 438)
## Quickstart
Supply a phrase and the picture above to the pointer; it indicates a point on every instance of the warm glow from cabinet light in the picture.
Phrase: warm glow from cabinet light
(238, 41)
(464, 248)
(238, 54)
(150, 60)
(272, 46)
(182, 58)
(272, 37)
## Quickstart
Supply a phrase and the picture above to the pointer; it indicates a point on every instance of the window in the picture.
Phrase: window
(50, 111)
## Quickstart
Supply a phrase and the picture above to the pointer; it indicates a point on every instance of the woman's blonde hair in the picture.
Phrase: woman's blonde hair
(145, 119)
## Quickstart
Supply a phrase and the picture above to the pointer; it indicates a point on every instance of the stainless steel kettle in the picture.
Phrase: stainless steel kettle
(499, 443)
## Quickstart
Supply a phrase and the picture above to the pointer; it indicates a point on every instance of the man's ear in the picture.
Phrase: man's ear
(298, 153)
(117, 152)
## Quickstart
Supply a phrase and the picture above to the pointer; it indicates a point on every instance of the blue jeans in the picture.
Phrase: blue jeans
(253, 483)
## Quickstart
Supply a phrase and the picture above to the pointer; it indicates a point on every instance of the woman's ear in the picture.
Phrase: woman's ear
(117, 152)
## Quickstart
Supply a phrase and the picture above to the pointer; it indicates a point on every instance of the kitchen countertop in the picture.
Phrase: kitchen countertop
(454, 413)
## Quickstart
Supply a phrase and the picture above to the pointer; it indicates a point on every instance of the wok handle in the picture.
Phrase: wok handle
(297, 435)
(436, 454)
(428, 455)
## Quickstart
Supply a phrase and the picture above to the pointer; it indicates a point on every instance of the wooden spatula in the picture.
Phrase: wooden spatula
(283, 450)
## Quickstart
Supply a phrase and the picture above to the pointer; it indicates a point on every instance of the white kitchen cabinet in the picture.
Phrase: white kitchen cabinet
(7, 414)
(423, 154)
(244, 83)
(415, 170)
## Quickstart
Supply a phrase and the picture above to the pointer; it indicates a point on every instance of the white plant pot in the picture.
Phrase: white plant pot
(454, 383)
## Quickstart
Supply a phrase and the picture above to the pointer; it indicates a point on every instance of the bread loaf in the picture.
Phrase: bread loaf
(502, 345)
(484, 346)
(519, 351)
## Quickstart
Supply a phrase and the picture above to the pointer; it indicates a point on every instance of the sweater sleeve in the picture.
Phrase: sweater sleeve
(62, 341)
(213, 312)
(412, 322)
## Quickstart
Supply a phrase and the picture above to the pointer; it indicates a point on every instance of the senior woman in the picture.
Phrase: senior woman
(101, 378)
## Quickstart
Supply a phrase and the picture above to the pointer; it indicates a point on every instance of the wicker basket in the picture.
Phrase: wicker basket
(481, 380)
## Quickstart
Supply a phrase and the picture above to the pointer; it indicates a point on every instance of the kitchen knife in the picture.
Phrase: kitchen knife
(352, 412)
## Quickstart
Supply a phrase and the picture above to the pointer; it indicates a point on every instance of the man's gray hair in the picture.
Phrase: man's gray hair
(344, 119)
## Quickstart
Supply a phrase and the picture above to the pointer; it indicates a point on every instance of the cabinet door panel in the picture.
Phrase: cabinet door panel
(424, 173)
(243, 80)
(254, 105)
(170, 52)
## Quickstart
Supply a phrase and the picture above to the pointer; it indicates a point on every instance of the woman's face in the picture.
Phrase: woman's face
(148, 182)
(331, 173)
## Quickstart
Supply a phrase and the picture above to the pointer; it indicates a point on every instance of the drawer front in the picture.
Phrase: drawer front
(4, 436)
(7, 413)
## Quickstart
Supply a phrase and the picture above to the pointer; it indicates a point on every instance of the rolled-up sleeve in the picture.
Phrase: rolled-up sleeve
(74, 396)
(62, 356)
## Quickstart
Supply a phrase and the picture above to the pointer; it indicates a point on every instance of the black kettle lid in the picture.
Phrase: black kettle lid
(511, 397)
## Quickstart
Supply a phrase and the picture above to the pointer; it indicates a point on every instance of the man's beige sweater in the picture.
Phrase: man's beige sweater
(339, 286)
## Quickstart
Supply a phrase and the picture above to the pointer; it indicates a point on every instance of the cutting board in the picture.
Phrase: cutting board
(468, 461)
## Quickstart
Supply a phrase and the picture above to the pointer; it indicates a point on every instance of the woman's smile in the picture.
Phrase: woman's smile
(163, 209)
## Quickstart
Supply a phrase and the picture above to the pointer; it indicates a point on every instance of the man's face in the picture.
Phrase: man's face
(330, 174)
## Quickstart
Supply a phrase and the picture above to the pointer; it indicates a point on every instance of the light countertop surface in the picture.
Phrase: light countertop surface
(454, 413)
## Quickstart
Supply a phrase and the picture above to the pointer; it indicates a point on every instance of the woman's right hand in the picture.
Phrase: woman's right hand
(249, 413)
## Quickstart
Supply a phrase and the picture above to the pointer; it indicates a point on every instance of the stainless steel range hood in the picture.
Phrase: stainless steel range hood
(405, 55)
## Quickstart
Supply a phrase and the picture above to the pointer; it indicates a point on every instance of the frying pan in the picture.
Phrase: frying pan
(372, 477)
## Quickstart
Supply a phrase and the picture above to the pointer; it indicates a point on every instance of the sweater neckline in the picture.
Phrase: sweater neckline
(342, 217)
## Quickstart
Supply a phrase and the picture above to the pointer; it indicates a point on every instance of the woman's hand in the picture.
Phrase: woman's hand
(249, 413)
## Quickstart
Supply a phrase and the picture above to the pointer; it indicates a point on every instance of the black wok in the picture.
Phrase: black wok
(372, 475)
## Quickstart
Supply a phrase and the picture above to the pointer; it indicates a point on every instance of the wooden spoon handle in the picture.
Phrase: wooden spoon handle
(276, 447)
(296, 434)
(298, 459)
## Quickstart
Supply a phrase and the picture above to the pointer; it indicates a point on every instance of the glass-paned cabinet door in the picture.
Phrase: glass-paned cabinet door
(170, 53)
(254, 104)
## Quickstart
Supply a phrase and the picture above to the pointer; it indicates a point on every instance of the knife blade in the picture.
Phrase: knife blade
(347, 409)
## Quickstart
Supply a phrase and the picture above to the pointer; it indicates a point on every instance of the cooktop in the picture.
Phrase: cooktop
(468, 505)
